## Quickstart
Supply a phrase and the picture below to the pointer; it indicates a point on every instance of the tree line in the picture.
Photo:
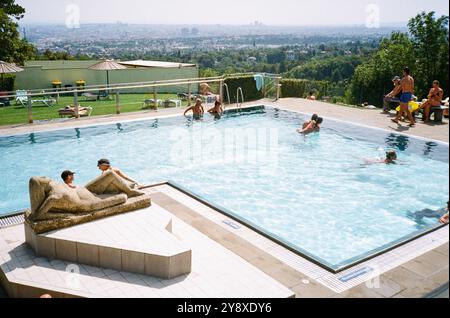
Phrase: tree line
(355, 72)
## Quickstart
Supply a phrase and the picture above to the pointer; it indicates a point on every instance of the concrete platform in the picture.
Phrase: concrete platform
(139, 242)
(216, 272)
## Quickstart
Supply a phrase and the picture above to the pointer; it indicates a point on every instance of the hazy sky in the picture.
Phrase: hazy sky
(274, 12)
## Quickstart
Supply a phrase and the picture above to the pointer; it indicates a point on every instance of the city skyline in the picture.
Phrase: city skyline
(289, 13)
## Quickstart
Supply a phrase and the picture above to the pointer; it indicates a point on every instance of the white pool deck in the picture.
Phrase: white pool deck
(216, 271)
(229, 259)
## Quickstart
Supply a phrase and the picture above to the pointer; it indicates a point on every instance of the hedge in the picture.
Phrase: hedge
(8, 83)
(248, 85)
(301, 88)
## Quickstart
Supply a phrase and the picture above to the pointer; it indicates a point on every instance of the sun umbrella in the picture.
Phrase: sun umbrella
(107, 65)
(8, 68)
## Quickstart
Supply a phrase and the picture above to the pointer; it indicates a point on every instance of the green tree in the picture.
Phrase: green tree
(425, 51)
(372, 80)
(13, 48)
(430, 37)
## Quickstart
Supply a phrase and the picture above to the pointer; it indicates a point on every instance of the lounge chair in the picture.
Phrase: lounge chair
(150, 103)
(170, 102)
(70, 111)
(103, 95)
(22, 99)
(90, 97)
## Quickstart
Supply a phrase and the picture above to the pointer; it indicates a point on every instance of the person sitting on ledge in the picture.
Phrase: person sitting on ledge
(68, 177)
(105, 165)
(106, 191)
(394, 96)
(311, 96)
(434, 100)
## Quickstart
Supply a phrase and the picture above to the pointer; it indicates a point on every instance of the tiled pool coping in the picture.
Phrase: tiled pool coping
(373, 254)
(403, 266)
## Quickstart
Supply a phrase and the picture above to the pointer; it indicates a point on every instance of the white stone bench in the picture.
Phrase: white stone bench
(139, 242)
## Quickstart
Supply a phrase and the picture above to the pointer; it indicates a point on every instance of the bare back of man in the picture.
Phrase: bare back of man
(407, 85)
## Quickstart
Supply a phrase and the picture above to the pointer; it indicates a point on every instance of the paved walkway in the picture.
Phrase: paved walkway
(361, 116)
(367, 117)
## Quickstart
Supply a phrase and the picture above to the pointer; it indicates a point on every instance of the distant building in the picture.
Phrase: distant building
(252, 59)
(41, 74)
(291, 56)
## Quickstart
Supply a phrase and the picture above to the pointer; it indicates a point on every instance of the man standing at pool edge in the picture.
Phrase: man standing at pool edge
(407, 85)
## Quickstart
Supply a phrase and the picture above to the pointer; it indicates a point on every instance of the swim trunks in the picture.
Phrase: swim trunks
(406, 98)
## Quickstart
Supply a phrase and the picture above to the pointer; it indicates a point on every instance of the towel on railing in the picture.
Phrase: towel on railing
(259, 79)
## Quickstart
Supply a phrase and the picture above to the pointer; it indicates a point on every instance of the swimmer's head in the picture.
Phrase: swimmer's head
(391, 155)
(319, 120)
(314, 117)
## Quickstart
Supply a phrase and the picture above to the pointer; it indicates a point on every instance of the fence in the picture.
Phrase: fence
(118, 98)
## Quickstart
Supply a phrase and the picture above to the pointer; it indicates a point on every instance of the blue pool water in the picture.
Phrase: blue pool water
(313, 192)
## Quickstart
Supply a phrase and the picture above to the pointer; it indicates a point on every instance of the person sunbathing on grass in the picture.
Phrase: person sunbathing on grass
(197, 109)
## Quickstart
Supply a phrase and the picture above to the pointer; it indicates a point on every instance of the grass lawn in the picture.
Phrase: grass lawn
(128, 103)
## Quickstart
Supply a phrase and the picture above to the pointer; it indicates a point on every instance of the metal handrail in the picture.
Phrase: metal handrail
(237, 97)
(228, 93)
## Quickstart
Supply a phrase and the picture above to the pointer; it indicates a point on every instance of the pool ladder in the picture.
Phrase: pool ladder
(228, 94)
(239, 90)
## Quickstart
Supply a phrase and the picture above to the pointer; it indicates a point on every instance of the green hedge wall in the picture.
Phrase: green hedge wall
(8, 83)
(301, 88)
(248, 85)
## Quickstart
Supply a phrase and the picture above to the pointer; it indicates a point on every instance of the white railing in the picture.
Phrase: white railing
(56, 92)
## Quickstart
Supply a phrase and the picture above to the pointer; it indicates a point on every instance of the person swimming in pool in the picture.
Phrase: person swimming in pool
(407, 88)
(306, 123)
(441, 214)
(197, 109)
(391, 158)
(312, 126)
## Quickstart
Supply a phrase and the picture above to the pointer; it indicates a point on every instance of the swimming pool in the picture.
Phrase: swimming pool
(312, 193)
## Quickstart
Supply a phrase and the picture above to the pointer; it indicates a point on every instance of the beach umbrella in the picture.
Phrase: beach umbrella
(107, 65)
(8, 68)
